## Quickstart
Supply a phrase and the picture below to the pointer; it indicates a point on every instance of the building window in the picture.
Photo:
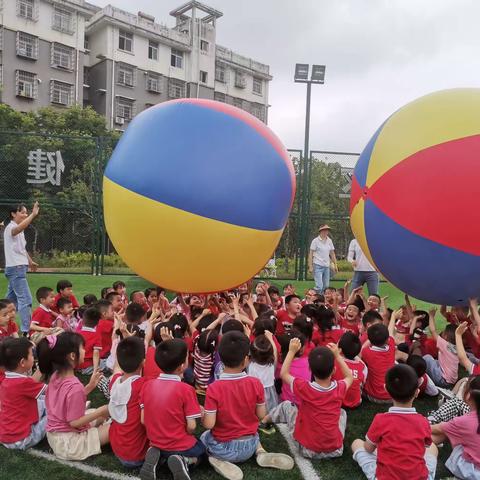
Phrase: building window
(153, 82)
(62, 56)
(125, 108)
(61, 93)
(26, 84)
(153, 50)
(176, 58)
(27, 45)
(27, 9)
(240, 79)
(86, 43)
(219, 97)
(203, 77)
(62, 20)
(125, 75)
(257, 86)
(176, 88)
(220, 72)
(204, 46)
(238, 102)
(258, 111)
(125, 41)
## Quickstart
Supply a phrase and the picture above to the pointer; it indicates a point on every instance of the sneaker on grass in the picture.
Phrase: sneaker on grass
(149, 467)
(280, 461)
(178, 465)
(226, 469)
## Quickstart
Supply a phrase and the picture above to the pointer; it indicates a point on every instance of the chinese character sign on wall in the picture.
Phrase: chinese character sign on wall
(45, 167)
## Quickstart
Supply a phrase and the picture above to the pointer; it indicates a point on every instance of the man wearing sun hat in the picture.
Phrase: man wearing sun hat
(321, 258)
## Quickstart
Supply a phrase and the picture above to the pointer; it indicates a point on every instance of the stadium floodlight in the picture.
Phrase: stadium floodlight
(301, 72)
(318, 74)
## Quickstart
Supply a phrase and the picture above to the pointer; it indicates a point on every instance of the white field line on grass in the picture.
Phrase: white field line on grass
(80, 466)
(305, 466)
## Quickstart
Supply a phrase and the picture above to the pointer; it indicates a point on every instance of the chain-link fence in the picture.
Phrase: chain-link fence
(64, 174)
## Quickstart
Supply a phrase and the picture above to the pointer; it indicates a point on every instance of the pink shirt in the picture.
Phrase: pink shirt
(298, 369)
(65, 401)
(448, 360)
(463, 431)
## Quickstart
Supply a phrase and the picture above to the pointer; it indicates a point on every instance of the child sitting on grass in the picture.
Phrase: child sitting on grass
(169, 412)
(233, 407)
(320, 404)
(463, 433)
(127, 434)
(65, 319)
(398, 436)
(22, 402)
(43, 316)
(92, 342)
(8, 327)
(70, 433)
(64, 290)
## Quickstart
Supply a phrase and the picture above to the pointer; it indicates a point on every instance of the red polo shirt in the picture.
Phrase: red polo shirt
(8, 330)
(105, 329)
(93, 341)
(353, 397)
(168, 403)
(43, 317)
(284, 322)
(234, 398)
(401, 436)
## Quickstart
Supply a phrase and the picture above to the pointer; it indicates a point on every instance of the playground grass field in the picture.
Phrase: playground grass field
(23, 466)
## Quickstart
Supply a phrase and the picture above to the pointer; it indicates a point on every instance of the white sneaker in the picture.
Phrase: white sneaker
(275, 460)
(226, 469)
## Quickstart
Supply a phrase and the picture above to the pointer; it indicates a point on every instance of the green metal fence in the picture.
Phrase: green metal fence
(64, 173)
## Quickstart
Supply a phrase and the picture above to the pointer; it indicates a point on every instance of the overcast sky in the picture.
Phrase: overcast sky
(380, 54)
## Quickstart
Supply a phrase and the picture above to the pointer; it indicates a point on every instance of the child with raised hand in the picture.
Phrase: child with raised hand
(400, 436)
(128, 437)
(463, 433)
(233, 407)
(169, 412)
(8, 326)
(65, 318)
(469, 366)
(70, 432)
(22, 404)
(444, 371)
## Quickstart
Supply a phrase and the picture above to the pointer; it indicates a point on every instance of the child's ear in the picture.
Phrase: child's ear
(417, 393)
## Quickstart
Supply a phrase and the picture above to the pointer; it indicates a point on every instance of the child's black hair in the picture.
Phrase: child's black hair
(104, 292)
(401, 382)
(325, 319)
(350, 345)
(157, 337)
(103, 305)
(130, 354)
(261, 351)
(449, 333)
(207, 341)
(265, 321)
(8, 301)
(273, 290)
(63, 284)
(118, 284)
(89, 299)
(42, 293)
(321, 362)
(375, 295)
(289, 298)
(331, 289)
(12, 351)
(424, 318)
(179, 324)
(232, 325)
(160, 290)
(205, 322)
(233, 348)
(63, 302)
(134, 313)
(370, 317)
(418, 364)
(3, 304)
(80, 311)
(261, 308)
(311, 311)
(378, 334)
(319, 299)
(474, 391)
(56, 359)
(304, 325)
(284, 341)
(169, 355)
(91, 317)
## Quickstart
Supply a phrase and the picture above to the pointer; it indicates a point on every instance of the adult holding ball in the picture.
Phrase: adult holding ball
(17, 261)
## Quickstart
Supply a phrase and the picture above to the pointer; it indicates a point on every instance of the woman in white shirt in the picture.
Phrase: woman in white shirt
(322, 254)
(17, 261)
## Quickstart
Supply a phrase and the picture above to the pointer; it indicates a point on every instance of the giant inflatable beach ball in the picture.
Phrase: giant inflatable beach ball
(197, 194)
(415, 197)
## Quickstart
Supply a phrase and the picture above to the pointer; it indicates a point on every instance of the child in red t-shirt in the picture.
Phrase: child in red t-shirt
(350, 347)
(325, 331)
(105, 326)
(379, 356)
(169, 412)
(425, 383)
(64, 289)
(321, 401)
(22, 402)
(93, 342)
(293, 305)
(234, 404)
(399, 436)
(43, 317)
(8, 327)
(128, 437)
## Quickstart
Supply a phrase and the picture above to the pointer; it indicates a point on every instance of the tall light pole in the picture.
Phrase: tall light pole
(317, 77)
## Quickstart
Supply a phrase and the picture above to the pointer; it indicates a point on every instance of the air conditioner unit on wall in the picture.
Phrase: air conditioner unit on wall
(119, 120)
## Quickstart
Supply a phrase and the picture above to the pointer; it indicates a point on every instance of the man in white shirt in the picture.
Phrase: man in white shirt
(17, 262)
(364, 272)
(321, 257)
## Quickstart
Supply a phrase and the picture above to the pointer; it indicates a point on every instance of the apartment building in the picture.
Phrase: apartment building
(65, 52)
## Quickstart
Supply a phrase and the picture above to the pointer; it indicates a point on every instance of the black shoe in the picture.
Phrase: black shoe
(149, 467)
(178, 466)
